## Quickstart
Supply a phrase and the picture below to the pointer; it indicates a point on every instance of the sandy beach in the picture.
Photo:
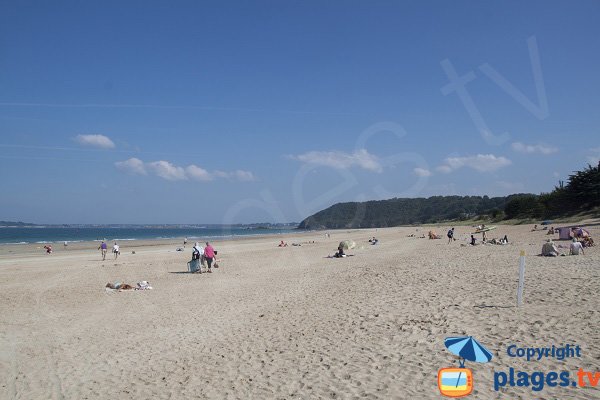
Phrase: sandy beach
(282, 323)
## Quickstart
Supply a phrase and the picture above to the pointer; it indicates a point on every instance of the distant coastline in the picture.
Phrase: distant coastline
(42, 234)
(260, 225)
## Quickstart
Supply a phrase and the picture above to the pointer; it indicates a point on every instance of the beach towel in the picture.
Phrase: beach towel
(143, 285)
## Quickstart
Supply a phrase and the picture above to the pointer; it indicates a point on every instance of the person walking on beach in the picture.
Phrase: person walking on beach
(209, 256)
(198, 254)
(184, 241)
(450, 235)
(103, 249)
(116, 250)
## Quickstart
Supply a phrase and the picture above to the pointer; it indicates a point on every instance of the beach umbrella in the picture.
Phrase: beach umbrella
(347, 244)
(468, 348)
(486, 229)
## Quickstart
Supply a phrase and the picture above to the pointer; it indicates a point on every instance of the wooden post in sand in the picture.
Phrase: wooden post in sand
(521, 279)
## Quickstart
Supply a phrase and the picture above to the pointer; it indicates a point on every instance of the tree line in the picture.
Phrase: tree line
(580, 193)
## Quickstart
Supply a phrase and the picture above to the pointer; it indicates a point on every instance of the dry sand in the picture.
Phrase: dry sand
(275, 323)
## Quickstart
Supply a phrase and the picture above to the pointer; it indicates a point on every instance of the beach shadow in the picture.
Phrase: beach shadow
(186, 272)
(486, 306)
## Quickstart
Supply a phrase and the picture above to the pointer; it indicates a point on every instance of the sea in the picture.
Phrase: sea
(18, 235)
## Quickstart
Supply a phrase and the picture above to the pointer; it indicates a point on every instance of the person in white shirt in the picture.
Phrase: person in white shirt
(198, 253)
(116, 250)
(576, 248)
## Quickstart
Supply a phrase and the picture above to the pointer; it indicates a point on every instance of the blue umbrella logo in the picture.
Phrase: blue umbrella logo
(467, 348)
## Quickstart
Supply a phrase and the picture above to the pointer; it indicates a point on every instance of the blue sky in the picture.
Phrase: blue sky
(218, 112)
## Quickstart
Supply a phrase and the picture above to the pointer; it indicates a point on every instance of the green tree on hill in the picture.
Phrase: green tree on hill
(580, 194)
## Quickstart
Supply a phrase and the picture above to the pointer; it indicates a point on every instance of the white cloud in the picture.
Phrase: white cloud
(198, 174)
(99, 141)
(480, 162)
(132, 166)
(533, 148)
(221, 174)
(340, 160)
(239, 175)
(244, 176)
(171, 172)
(422, 172)
(167, 171)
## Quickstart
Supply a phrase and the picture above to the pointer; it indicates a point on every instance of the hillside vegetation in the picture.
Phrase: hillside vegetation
(580, 194)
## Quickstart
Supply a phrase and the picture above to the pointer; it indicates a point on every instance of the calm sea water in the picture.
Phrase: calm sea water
(59, 235)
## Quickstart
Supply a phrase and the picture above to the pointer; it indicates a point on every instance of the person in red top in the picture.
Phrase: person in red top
(209, 255)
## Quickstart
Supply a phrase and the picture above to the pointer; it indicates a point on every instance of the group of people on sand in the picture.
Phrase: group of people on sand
(205, 256)
(104, 248)
(472, 241)
(549, 249)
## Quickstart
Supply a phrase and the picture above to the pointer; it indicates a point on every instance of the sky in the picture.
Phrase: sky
(268, 111)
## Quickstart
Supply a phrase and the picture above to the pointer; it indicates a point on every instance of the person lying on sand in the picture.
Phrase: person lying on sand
(282, 244)
(143, 285)
(119, 286)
